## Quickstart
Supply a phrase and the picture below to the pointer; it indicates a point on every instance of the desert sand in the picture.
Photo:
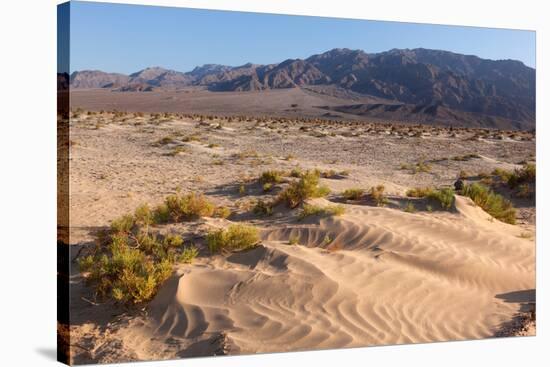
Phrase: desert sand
(371, 276)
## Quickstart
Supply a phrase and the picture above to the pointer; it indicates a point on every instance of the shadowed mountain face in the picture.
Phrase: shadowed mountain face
(430, 84)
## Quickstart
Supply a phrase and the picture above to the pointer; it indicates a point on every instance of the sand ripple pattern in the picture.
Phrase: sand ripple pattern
(394, 278)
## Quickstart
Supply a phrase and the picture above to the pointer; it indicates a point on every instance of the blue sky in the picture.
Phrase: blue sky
(128, 38)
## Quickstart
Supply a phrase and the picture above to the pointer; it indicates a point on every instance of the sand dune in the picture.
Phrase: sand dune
(372, 276)
(387, 277)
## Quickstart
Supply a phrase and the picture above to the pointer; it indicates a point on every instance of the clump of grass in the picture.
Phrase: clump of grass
(445, 197)
(527, 174)
(271, 177)
(377, 194)
(222, 212)
(410, 208)
(492, 203)
(242, 189)
(213, 145)
(296, 172)
(353, 194)
(177, 208)
(267, 186)
(305, 188)
(177, 150)
(129, 264)
(188, 254)
(419, 192)
(234, 237)
(327, 240)
(422, 166)
(263, 208)
(503, 174)
(323, 211)
(521, 180)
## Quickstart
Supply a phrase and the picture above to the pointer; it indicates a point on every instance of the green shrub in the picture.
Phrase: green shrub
(296, 172)
(306, 187)
(234, 237)
(123, 224)
(445, 197)
(172, 240)
(409, 208)
(263, 208)
(271, 177)
(377, 194)
(185, 207)
(130, 269)
(353, 194)
(177, 150)
(222, 212)
(527, 174)
(143, 216)
(267, 186)
(311, 210)
(421, 166)
(492, 203)
(188, 255)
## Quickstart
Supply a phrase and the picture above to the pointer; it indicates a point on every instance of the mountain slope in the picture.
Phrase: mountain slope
(503, 89)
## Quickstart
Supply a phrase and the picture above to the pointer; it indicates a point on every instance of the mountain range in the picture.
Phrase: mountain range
(412, 84)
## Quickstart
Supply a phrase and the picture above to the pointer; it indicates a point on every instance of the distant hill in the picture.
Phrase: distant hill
(420, 85)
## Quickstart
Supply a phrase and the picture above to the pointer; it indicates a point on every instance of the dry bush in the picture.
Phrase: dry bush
(234, 237)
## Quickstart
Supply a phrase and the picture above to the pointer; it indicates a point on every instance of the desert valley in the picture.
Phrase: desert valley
(300, 206)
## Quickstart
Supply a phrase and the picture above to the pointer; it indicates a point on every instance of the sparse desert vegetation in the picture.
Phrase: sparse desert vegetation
(234, 237)
(314, 210)
(247, 204)
(492, 203)
(305, 188)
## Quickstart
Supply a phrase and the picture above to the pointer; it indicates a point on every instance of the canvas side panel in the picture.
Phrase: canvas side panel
(63, 252)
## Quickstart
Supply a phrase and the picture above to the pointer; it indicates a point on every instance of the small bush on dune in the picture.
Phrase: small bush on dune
(492, 203)
(353, 194)
(296, 172)
(188, 255)
(271, 177)
(409, 208)
(263, 208)
(222, 212)
(331, 210)
(445, 197)
(234, 237)
(306, 187)
(525, 175)
(419, 192)
(187, 207)
(131, 264)
(123, 224)
(502, 174)
(377, 194)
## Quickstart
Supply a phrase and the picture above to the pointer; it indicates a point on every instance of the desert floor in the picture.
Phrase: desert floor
(384, 276)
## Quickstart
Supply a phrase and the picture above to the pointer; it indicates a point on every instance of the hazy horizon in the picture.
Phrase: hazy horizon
(121, 38)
